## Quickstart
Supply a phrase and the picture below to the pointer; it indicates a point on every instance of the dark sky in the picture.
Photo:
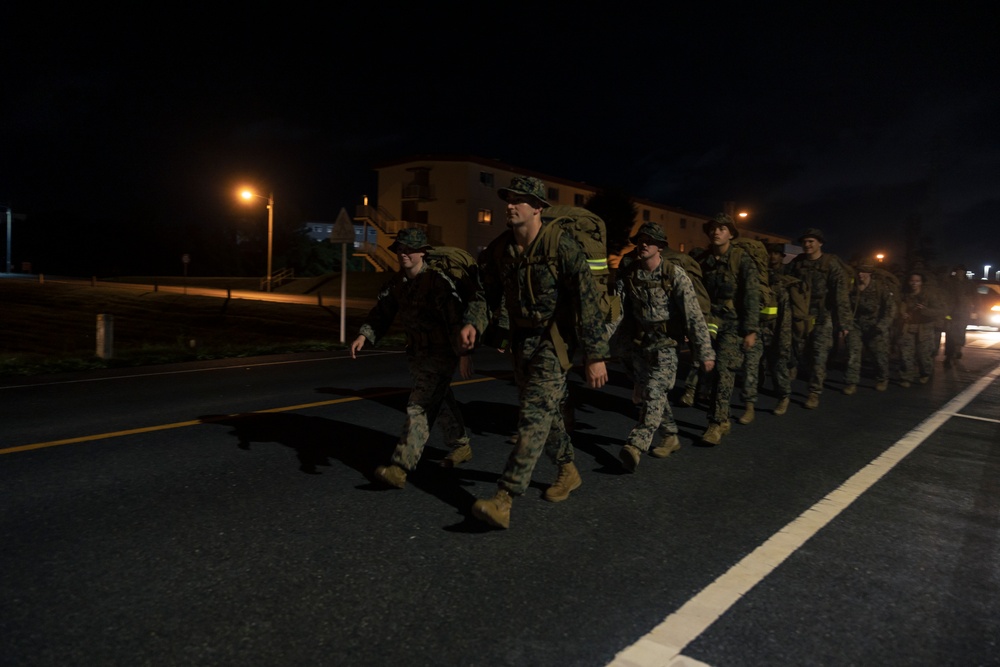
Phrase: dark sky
(869, 123)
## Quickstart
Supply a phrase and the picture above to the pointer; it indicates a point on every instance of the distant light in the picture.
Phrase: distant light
(743, 214)
(880, 257)
(986, 272)
(246, 194)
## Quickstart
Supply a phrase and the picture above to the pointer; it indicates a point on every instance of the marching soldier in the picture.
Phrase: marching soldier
(920, 311)
(873, 306)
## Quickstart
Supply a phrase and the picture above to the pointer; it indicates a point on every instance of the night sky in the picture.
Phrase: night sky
(875, 125)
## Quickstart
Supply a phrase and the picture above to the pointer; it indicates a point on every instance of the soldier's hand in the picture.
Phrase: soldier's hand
(467, 337)
(597, 374)
(465, 366)
(708, 366)
(749, 341)
(358, 343)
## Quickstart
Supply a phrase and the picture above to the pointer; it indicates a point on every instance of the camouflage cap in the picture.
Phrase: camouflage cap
(526, 186)
(410, 238)
(866, 267)
(651, 231)
(721, 220)
(813, 233)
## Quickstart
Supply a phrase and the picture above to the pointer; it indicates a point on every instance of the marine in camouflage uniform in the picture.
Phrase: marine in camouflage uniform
(735, 296)
(427, 305)
(773, 349)
(919, 312)
(873, 307)
(659, 305)
(829, 309)
(961, 294)
(548, 299)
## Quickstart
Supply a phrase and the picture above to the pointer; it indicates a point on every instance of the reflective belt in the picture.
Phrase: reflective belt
(769, 310)
(713, 328)
(598, 264)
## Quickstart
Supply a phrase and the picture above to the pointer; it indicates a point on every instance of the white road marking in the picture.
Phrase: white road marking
(663, 645)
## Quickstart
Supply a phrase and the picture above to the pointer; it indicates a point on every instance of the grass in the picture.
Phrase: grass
(51, 327)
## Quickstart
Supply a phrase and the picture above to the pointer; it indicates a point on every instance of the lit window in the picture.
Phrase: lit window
(485, 216)
(681, 249)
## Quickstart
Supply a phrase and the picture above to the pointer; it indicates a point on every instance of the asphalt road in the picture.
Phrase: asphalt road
(224, 514)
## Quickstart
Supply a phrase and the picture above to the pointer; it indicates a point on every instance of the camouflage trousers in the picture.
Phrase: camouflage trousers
(728, 362)
(542, 393)
(813, 353)
(876, 342)
(773, 352)
(655, 372)
(954, 337)
(431, 399)
(917, 345)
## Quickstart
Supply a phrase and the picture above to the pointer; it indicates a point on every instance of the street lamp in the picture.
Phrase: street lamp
(248, 195)
(880, 257)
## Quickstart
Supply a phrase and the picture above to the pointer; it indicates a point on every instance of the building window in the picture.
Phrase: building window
(554, 195)
(486, 178)
(684, 223)
(485, 216)
(645, 215)
(578, 199)
(681, 249)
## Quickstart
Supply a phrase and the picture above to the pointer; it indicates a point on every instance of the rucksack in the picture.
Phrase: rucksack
(590, 233)
(458, 266)
(890, 280)
(799, 293)
(758, 253)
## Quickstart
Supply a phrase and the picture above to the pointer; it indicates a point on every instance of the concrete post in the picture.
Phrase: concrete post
(105, 336)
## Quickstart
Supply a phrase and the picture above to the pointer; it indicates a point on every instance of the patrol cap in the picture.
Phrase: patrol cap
(813, 233)
(651, 231)
(525, 186)
(721, 220)
(410, 237)
(866, 267)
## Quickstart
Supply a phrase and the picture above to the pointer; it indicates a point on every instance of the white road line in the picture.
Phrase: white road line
(982, 419)
(663, 645)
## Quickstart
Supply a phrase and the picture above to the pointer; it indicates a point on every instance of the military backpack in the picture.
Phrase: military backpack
(758, 253)
(458, 266)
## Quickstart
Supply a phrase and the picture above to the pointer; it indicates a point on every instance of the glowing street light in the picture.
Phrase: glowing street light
(880, 257)
(742, 214)
(248, 195)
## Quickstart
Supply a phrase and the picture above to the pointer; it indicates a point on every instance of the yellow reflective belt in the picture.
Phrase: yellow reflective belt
(769, 310)
(712, 327)
(598, 264)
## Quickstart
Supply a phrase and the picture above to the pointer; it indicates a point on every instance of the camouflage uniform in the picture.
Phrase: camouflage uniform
(960, 293)
(874, 310)
(918, 339)
(430, 312)
(736, 309)
(652, 300)
(828, 308)
(535, 301)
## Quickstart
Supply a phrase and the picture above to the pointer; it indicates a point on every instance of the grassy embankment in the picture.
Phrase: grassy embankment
(51, 327)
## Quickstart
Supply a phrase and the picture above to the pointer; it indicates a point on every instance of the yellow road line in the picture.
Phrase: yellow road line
(195, 422)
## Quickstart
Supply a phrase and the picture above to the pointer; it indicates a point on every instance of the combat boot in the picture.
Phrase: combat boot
(748, 414)
(494, 511)
(630, 457)
(567, 481)
(460, 454)
(850, 390)
(813, 401)
(687, 400)
(391, 475)
(881, 385)
(714, 432)
(667, 446)
(782, 406)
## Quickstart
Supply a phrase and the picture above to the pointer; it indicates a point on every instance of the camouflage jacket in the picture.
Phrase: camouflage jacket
(924, 310)
(873, 307)
(428, 308)
(828, 285)
(536, 291)
(735, 298)
(652, 301)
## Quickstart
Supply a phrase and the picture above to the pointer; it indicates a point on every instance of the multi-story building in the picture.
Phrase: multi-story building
(454, 199)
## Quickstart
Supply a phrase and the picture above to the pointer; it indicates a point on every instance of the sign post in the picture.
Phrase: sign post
(343, 233)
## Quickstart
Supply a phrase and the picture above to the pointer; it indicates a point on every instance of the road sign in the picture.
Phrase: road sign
(343, 229)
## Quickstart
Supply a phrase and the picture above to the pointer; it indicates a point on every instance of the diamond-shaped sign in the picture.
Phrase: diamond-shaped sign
(343, 229)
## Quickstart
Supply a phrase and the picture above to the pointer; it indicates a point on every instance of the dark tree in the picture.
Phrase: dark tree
(619, 214)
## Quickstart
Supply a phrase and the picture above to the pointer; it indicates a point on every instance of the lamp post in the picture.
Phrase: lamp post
(248, 195)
